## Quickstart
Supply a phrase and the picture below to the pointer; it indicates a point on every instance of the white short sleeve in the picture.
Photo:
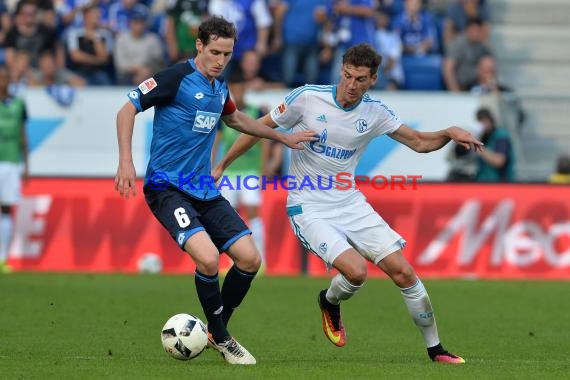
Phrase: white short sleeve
(387, 121)
(290, 111)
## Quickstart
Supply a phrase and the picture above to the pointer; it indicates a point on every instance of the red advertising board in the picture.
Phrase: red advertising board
(452, 230)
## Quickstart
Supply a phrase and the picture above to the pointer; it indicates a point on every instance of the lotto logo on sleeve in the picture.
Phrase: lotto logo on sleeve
(205, 121)
(147, 86)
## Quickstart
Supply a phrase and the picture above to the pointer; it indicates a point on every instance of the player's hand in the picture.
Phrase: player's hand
(465, 139)
(125, 180)
(294, 140)
(217, 173)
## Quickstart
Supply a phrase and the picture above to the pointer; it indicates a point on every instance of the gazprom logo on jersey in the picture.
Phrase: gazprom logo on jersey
(320, 146)
(205, 121)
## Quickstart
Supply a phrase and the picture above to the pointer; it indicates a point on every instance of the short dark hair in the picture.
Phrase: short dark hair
(216, 27)
(485, 113)
(21, 4)
(362, 55)
(474, 21)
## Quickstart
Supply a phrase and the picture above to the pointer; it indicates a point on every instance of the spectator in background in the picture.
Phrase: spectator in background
(389, 46)
(90, 49)
(462, 58)
(250, 66)
(458, 15)
(49, 74)
(253, 22)
(488, 83)
(391, 7)
(354, 24)
(497, 161)
(562, 174)
(121, 12)
(70, 13)
(416, 29)
(255, 162)
(58, 82)
(47, 14)
(138, 53)
(327, 37)
(159, 19)
(20, 73)
(13, 153)
(438, 8)
(5, 23)
(183, 19)
(299, 44)
(28, 39)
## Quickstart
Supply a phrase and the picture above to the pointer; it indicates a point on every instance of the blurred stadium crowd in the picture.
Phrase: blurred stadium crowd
(426, 44)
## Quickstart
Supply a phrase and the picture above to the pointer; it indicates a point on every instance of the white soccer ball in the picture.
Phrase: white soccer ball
(184, 336)
(149, 263)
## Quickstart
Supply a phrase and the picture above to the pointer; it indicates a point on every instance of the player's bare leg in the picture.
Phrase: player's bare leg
(352, 268)
(418, 303)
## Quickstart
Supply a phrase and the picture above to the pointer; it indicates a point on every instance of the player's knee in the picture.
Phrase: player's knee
(251, 264)
(357, 274)
(405, 276)
(208, 264)
(248, 260)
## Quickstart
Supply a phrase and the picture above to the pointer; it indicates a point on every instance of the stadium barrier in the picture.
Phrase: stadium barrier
(81, 140)
(452, 230)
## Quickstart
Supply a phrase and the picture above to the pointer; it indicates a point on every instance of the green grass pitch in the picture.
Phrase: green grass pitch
(56, 326)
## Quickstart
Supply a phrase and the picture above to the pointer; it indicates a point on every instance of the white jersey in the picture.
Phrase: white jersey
(320, 173)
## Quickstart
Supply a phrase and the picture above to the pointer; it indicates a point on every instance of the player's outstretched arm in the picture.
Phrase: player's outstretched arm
(125, 178)
(242, 144)
(425, 142)
(264, 128)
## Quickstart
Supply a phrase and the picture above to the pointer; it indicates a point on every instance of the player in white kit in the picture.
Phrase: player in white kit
(338, 224)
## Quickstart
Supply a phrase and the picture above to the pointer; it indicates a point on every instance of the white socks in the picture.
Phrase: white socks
(5, 236)
(257, 232)
(340, 289)
(419, 306)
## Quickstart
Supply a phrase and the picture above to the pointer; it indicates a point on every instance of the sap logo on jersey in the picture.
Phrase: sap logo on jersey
(205, 121)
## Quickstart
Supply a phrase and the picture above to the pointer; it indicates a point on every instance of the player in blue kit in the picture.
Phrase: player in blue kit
(189, 101)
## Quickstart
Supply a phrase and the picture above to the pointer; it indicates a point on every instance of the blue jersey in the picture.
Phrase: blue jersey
(187, 109)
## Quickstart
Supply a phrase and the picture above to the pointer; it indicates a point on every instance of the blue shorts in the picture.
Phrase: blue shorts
(183, 216)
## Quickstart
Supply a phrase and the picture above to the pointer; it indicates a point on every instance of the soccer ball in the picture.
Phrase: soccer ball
(184, 336)
(149, 263)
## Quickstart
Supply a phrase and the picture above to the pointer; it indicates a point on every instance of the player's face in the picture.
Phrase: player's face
(354, 82)
(213, 58)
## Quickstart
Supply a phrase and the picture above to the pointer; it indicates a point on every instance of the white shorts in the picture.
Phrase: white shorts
(243, 196)
(10, 183)
(329, 232)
